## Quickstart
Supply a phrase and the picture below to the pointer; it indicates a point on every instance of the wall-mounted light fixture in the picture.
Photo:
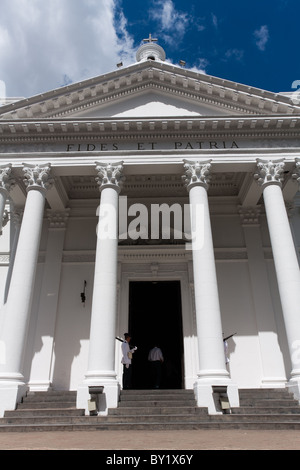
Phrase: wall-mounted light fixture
(82, 295)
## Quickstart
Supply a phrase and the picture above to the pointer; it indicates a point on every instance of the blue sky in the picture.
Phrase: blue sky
(48, 44)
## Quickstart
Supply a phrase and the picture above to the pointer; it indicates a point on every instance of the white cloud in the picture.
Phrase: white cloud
(214, 20)
(47, 44)
(262, 36)
(237, 54)
(173, 23)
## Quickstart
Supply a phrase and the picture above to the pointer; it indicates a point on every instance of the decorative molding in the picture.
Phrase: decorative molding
(95, 129)
(269, 172)
(197, 173)
(249, 215)
(38, 176)
(109, 175)
(7, 181)
(58, 219)
(296, 174)
(154, 255)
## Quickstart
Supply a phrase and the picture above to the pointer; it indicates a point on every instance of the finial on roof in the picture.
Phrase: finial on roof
(150, 50)
(150, 39)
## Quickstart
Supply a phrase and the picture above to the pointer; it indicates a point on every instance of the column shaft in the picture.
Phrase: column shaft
(22, 282)
(16, 311)
(212, 370)
(208, 316)
(270, 176)
(102, 333)
(101, 361)
(286, 266)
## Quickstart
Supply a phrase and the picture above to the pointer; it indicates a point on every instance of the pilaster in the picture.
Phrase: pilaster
(272, 364)
(40, 375)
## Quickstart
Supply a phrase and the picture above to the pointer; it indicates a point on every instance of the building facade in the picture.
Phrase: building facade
(157, 200)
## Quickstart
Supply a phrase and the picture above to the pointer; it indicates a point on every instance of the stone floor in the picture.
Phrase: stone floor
(152, 440)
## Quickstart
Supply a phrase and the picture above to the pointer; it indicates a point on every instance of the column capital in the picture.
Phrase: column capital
(109, 175)
(249, 215)
(269, 171)
(58, 219)
(37, 176)
(197, 173)
(7, 182)
(296, 174)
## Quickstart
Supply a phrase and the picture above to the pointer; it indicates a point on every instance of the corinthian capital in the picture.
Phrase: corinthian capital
(109, 175)
(296, 174)
(7, 181)
(196, 173)
(269, 172)
(38, 176)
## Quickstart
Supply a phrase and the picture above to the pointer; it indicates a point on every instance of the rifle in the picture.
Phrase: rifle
(120, 339)
(123, 341)
(227, 337)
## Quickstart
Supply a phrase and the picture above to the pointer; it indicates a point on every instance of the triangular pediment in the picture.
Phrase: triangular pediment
(151, 104)
(150, 89)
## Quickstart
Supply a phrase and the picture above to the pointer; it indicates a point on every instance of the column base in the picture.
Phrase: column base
(293, 387)
(273, 382)
(109, 398)
(207, 394)
(36, 386)
(11, 393)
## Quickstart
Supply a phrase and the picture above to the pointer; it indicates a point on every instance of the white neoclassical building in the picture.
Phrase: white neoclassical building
(156, 200)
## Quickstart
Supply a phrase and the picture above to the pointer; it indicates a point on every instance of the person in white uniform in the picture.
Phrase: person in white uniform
(126, 361)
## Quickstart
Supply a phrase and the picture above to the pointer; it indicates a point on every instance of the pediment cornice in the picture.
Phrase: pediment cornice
(150, 76)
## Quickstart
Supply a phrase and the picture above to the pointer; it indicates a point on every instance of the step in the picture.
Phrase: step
(42, 405)
(268, 402)
(44, 412)
(141, 403)
(167, 410)
(267, 410)
(151, 426)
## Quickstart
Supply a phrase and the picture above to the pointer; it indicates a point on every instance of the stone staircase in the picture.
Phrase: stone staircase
(153, 410)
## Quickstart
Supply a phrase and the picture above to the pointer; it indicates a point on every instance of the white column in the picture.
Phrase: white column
(40, 374)
(17, 308)
(7, 182)
(272, 364)
(101, 362)
(269, 177)
(212, 369)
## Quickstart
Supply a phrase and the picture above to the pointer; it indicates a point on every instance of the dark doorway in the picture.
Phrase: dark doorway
(155, 316)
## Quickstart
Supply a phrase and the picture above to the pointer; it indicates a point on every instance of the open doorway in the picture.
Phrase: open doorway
(155, 316)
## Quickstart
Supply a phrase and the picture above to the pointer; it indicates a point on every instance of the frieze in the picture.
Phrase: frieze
(148, 146)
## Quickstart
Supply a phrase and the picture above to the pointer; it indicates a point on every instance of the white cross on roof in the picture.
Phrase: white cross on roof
(150, 39)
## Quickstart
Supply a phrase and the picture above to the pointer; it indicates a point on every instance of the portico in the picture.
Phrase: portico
(149, 174)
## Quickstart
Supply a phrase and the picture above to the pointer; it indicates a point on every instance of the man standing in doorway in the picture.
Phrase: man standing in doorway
(126, 361)
(156, 359)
